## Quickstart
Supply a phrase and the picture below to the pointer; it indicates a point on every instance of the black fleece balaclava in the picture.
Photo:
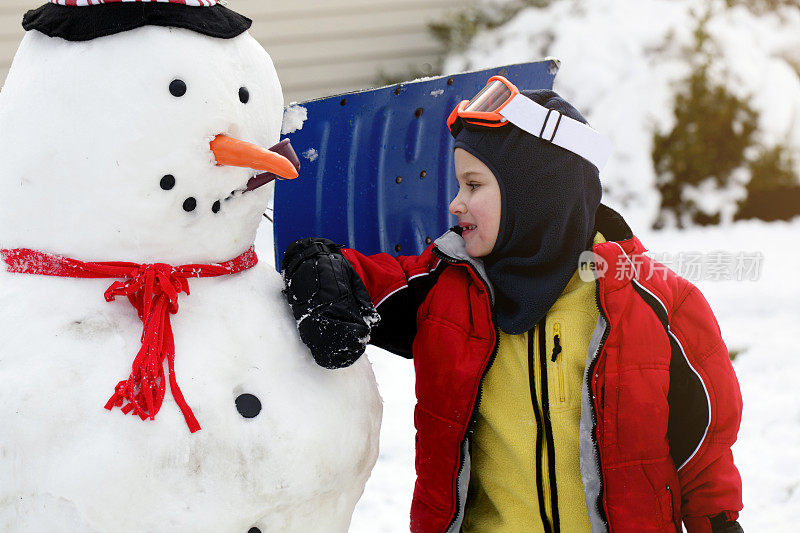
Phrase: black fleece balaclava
(549, 198)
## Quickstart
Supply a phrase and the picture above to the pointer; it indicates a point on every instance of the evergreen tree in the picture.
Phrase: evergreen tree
(713, 128)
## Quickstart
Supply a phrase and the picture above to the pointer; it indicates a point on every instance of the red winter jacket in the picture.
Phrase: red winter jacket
(660, 404)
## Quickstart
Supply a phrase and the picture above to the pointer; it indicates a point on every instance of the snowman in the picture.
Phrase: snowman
(152, 376)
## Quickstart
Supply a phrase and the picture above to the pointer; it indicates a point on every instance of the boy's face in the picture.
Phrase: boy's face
(477, 204)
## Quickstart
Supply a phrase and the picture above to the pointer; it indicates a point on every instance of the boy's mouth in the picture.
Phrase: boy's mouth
(467, 227)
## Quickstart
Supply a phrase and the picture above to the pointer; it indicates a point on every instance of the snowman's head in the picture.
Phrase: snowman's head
(105, 144)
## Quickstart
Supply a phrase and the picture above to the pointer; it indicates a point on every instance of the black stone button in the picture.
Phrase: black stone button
(253, 530)
(248, 405)
(189, 204)
(168, 182)
(177, 88)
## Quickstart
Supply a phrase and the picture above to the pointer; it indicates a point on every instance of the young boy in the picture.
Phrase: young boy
(546, 401)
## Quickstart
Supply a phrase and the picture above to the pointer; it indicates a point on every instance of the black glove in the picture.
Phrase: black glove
(721, 524)
(329, 301)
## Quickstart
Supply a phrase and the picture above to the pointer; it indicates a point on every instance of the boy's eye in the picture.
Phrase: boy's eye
(472, 186)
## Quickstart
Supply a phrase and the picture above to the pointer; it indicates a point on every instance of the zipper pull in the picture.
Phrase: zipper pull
(556, 348)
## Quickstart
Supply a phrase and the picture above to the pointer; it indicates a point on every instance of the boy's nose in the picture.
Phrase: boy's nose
(456, 207)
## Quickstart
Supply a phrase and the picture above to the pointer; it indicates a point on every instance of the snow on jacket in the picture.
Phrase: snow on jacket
(660, 405)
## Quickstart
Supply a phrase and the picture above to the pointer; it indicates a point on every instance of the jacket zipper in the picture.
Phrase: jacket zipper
(557, 349)
(546, 427)
(537, 415)
(472, 417)
(589, 376)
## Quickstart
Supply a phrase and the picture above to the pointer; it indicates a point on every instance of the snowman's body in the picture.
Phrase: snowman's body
(87, 132)
(299, 465)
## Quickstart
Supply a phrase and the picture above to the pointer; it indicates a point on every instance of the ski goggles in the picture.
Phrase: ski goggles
(500, 102)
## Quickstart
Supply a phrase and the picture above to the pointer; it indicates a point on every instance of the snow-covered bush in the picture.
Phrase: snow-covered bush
(625, 65)
(772, 192)
(762, 6)
(711, 133)
(456, 32)
(714, 148)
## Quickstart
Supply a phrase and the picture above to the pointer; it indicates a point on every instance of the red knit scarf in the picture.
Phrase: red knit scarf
(153, 290)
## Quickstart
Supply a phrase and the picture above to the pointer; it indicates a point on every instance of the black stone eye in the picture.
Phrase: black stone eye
(168, 182)
(177, 88)
(244, 95)
(189, 204)
(215, 208)
(248, 405)
(253, 530)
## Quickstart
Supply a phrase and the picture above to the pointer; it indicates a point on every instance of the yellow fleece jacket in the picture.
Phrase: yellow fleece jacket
(503, 491)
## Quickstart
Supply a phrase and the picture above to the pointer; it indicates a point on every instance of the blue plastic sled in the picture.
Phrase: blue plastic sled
(377, 166)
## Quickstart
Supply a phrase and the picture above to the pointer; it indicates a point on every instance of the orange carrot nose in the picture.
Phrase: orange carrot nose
(233, 152)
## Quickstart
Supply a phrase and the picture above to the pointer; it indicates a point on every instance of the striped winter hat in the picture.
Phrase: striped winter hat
(80, 3)
(60, 18)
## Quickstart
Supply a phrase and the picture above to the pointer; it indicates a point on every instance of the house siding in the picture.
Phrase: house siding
(319, 47)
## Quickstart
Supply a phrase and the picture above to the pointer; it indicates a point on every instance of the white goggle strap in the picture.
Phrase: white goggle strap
(553, 127)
